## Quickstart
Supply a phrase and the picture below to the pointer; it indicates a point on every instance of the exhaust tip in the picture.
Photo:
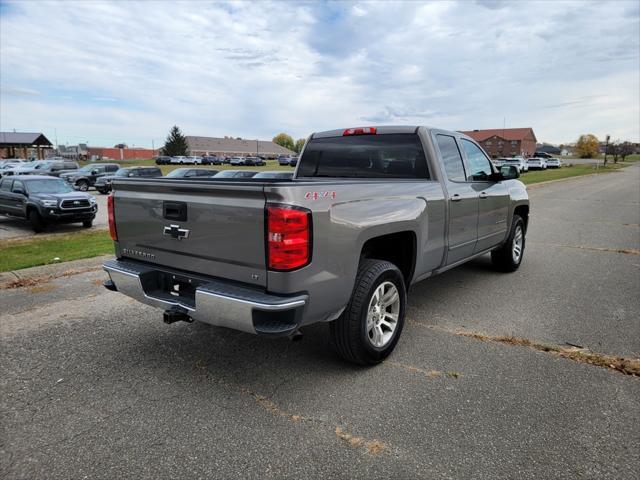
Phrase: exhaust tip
(296, 336)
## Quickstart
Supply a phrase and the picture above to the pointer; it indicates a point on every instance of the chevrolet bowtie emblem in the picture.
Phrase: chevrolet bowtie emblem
(176, 232)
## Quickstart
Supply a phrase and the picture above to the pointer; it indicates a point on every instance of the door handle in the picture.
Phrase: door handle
(483, 195)
(456, 198)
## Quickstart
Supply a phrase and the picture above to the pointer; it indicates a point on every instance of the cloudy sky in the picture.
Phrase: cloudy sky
(110, 72)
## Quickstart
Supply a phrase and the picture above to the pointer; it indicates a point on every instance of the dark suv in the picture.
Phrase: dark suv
(43, 199)
(86, 177)
(103, 184)
(163, 160)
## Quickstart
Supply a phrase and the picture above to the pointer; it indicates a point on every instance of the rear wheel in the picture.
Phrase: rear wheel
(368, 330)
(37, 224)
(509, 257)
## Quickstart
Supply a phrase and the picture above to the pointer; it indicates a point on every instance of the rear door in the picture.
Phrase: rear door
(493, 197)
(462, 199)
(5, 194)
(215, 229)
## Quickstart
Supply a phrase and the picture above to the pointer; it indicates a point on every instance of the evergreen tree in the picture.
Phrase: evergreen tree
(175, 144)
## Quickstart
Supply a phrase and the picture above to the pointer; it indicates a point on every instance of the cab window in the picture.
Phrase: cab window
(6, 184)
(451, 158)
(479, 164)
(17, 186)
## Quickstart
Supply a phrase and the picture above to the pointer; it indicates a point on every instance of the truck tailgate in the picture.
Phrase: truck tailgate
(212, 228)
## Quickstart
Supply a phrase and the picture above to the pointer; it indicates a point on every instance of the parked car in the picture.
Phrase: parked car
(212, 160)
(542, 155)
(254, 161)
(293, 161)
(537, 163)
(498, 162)
(368, 213)
(283, 160)
(194, 159)
(86, 176)
(518, 162)
(235, 174)
(103, 184)
(42, 167)
(553, 162)
(180, 159)
(8, 167)
(13, 161)
(163, 160)
(44, 199)
(277, 175)
(237, 161)
(191, 173)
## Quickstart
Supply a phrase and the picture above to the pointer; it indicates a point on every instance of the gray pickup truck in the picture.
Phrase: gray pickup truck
(369, 212)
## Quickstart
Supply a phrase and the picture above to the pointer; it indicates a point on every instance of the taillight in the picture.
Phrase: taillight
(359, 131)
(288, 237)
(112, 221)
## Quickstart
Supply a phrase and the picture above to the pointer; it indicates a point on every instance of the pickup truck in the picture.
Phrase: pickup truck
(368, 212)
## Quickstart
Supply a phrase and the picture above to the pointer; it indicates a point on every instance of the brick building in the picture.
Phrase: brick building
(106, 153)
(506, 142)
(234, 146)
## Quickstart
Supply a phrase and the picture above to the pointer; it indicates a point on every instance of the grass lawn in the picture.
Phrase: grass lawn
(537, 176)
(34, 251)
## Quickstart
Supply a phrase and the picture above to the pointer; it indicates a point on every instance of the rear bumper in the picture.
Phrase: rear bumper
(216, 302)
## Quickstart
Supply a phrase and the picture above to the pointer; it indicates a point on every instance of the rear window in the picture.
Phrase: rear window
(398, 155)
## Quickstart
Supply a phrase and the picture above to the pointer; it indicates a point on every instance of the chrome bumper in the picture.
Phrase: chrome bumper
(213, 301)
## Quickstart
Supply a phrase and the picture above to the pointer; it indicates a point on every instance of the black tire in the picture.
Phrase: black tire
(103, 191)
(83, 185)
(37, 224)
(349, 332)
(87, 224)
(503, 258)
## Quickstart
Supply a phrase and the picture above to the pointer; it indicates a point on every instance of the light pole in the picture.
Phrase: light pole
(606, 148)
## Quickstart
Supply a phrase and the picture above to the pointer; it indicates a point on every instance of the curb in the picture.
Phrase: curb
(45, 273)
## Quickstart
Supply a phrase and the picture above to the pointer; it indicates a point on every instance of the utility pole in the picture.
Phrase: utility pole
(257, 147)
(606, 148)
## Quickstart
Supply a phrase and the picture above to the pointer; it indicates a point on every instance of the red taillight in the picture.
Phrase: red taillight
(288, 237)
(359, 131)
(112, 221)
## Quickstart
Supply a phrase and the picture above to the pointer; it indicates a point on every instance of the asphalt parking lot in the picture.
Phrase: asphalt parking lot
(15, 227)
(94, 385)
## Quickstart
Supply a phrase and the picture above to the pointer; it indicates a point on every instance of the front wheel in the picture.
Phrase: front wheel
(87, 224)
(508, 257)
(37, 224)
(369, 328)
(83, 185)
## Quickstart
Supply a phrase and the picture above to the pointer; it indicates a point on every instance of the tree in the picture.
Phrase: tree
(284, 140)
(587, 146)
(625, 148)
(299, 145)
(175, 144)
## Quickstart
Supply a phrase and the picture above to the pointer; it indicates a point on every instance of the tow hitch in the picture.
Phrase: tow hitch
(176, 314)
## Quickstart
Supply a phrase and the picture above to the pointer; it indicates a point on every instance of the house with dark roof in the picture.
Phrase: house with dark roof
(505, 142)
(231, 147)
(23, 145)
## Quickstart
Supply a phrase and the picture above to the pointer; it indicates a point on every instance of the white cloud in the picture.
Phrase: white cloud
(111, 72)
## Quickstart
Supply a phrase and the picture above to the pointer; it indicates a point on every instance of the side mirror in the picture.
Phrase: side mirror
(509, 172)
